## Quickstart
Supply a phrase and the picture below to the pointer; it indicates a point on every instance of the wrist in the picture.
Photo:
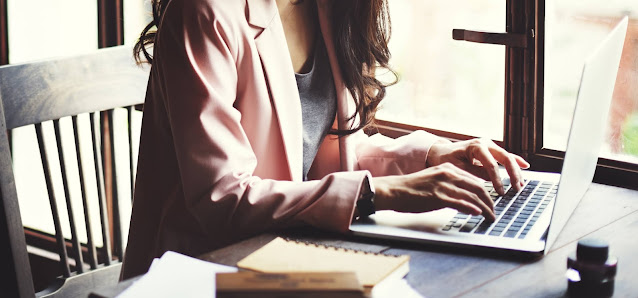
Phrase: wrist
(382, 193)
(433, 156)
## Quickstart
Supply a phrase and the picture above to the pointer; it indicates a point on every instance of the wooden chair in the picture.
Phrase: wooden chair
(33, 93)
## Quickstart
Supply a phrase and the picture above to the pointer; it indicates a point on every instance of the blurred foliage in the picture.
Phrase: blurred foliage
(630, 135)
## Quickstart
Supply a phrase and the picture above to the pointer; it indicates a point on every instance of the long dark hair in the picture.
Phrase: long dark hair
(361, 35)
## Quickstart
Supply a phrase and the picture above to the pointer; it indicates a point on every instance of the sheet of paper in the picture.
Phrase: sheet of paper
(395, 288)
(177, 275)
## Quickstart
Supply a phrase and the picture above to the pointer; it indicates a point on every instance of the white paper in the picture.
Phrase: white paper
(395, 288)
(177, 275)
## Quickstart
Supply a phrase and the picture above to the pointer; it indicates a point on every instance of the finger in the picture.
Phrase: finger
(490, 166)
(513, 170)
(464, 190)
(471, 171)
(460, 205)
(510, 163)
(476, 188)
(521, 162)
(476, 170)
(474, 185)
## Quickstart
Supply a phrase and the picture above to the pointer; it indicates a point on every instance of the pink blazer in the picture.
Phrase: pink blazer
(221, 146)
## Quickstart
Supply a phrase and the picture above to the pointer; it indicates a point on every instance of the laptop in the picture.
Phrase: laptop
(528, 221)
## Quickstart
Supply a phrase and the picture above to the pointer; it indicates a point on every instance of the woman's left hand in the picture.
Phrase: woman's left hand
(479, 157)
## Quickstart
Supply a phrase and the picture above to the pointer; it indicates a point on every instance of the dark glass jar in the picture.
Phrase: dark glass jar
(591, 271)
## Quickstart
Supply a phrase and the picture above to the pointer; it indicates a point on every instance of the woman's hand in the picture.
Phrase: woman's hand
(433, 188)
(479, 157)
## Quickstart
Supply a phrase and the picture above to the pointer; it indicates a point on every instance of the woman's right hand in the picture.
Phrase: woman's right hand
(431, 189)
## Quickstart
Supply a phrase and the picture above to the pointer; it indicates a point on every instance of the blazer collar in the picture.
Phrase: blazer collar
(275, 59)
(261, 12)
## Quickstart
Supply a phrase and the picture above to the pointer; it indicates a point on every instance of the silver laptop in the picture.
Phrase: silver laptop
(528, 221)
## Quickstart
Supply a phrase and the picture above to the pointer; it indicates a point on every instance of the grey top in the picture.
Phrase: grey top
(318, 104)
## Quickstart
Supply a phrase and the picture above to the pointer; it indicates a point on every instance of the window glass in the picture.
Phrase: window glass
(574, 28)
(137, 13)
(446, 84)
(41, 29)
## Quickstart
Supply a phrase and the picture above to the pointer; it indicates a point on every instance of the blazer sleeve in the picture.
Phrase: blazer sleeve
(197, 54)
(385, 156)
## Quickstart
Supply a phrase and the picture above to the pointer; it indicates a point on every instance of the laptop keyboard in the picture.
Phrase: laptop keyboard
(516, 212)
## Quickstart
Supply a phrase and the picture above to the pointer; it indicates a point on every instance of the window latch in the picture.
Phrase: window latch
(515, 40)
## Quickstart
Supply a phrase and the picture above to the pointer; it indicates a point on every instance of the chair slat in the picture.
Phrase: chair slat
(99, 177)
(87, 220)
(77, 250)
(129, 111)
(60, 243)
(117, 217)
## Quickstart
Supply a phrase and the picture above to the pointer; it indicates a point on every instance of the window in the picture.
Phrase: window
(562, 31)
(522, 95)
(63, 28)
(41, 29)
(446, 84)
(573, 29)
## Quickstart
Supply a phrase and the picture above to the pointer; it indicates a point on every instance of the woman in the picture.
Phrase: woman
(242, 134)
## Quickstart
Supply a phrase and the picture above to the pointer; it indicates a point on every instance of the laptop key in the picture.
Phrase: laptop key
(511, 234)
(516, 225)
(498, 229)
(461, 216)
(482, 228)
(468, 227)
(495, 233)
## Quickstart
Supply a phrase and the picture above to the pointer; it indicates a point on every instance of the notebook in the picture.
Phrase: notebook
(529, 221)
(248, 284)
(281, 255)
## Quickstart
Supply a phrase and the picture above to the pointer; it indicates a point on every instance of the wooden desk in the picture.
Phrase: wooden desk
(607, 212)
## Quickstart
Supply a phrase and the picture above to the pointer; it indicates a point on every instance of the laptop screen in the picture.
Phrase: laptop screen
(587, 128)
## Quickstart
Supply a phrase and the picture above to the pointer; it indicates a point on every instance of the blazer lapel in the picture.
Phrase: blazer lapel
(273, 51)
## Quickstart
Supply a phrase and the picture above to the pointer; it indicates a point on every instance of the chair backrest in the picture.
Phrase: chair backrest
(42, 92)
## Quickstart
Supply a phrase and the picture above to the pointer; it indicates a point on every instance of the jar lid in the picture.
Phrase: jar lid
(592, 250)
